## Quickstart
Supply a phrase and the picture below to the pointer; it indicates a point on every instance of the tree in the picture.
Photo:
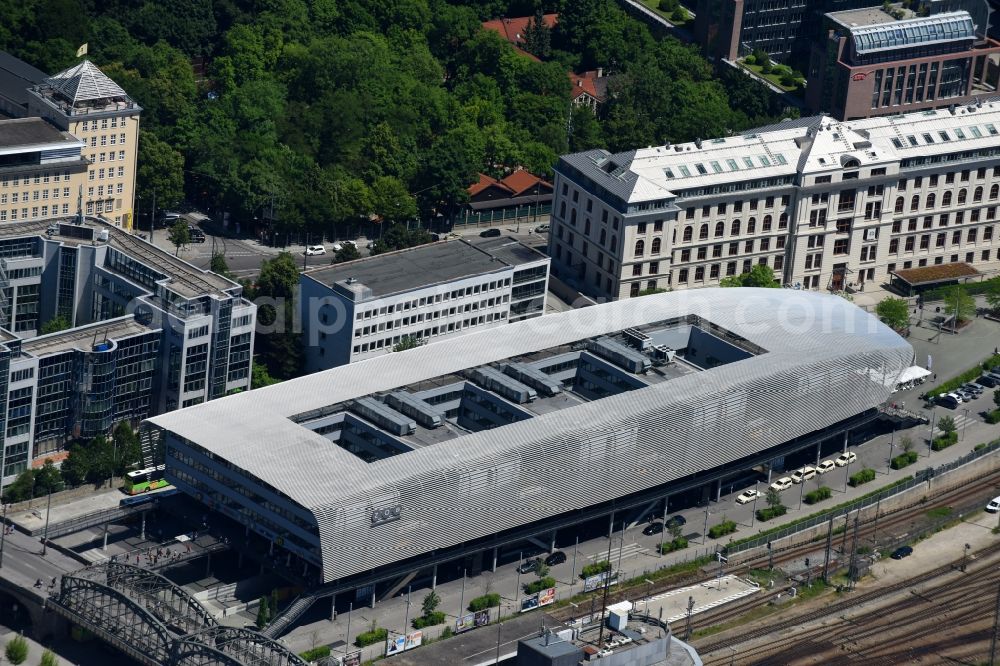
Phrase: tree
(993, 293)
(22, 488)
(680, 15)
(160, 170)
(49, 658)
(263, 614)
(127, 448)
(585, 131)
(537, 36)
(219, 264)
(947, 425)
(48, 479)
(179, 235)
(758, 276)
(16, 650)
(906, 442)
(676, 531)
(430, 603)
(76, 467)
(279, 277)
(56, 324)
(348, 252)
(259, 376)
(652, 290)
(542, 570)
(894, 313)
(959, 304)
(406, 342)
(773, 498)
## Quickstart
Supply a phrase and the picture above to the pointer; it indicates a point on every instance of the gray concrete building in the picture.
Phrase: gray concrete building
(362, 309)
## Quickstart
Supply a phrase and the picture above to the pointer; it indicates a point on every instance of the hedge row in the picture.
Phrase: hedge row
(539, 585)
(722, 529)
(429, 620)
(970, 375)
(595, 568)
(908, 458)
(818, 495)
(316, 653)
(372, 637)
(680, 543)
(764, 515)
(943, 442)
(864, 476)
(482, 603)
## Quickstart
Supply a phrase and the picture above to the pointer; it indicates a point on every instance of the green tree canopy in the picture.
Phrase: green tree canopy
(894, 313)
(56, 324)
(179, 235)
(959, 304)
(758, 276)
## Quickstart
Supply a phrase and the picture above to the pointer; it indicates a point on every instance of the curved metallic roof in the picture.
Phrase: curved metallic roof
(943, 27)
(826, 361)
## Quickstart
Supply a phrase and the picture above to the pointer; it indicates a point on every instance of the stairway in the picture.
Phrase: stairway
(287, 617)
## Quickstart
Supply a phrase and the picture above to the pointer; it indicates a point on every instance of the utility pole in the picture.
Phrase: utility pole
(753, 511)
(666, 502)
(826, 558)
(48, 511)
(152, 218)
(704, 534)
(621, 546)
(843, 544)
(350, 611)
(3, 537)
(852, 571)
(770, 557)
(406, 616)
(878, 504)
(576, 546)
(965, 422)
(690, 610)
(892, 443)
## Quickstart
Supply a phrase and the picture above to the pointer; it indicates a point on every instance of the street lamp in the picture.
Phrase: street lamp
(965, 556)
(756, 494)
(847, 473)
(964, 422)
(892, 444)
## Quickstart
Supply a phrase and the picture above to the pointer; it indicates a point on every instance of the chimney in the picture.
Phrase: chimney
(579, 83)
(697, 142)
(600, 72)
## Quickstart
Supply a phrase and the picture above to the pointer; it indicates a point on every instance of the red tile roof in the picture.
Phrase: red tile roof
(521, 181)
(512, 29)
(594, 83)
(484, 182)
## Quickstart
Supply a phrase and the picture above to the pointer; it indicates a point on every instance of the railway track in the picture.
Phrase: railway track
(919, 616)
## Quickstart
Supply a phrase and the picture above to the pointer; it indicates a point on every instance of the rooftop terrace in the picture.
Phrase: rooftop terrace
(83, 338)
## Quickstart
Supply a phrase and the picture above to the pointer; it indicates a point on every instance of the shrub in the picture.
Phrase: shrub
(722, 529)
(770, 512)
(16, 650)
(980, 447)
(864, 476)
(366, 638)
(818, 495)
(539, 585)
(595, 568)
(49, 658)
(944, 441)
(482, 603)
(750, 59)
(901, 461)
(316, 653)
(680, 543)
(993, 417)
(669, 5)
(429, 620)
(679, 15)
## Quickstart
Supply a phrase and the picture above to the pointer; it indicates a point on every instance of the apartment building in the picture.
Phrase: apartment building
(887, 60)
(42, 170)
(362, 309)
(148, 333)
(92, 108)
(826, 204)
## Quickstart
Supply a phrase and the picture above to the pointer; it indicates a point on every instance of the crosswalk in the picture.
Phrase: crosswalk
(629, 550)
(961, 420)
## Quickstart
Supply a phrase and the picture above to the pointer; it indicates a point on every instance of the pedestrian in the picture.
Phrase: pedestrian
(935, 376)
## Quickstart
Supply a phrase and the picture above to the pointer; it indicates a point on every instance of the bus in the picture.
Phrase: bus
(144, 480)
(136, 500)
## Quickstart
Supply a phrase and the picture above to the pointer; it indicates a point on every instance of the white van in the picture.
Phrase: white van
(994, 505)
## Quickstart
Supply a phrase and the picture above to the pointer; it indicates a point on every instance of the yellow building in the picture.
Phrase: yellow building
(83, 101)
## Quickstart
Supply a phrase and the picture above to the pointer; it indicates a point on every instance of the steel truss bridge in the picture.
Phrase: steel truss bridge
(156, 622)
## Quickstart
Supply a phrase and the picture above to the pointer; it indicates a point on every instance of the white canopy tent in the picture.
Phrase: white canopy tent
(912, 375)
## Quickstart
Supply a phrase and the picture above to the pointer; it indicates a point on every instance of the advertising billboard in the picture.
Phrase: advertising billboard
(472, 620)
(414, 639)
(598, 581)
(546, 597)
(403, 643)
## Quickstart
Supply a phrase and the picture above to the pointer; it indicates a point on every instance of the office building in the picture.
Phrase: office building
(889, 60)
(454, 449)
(362, 309)
(147, 333)
(826, 204)
(93, 109)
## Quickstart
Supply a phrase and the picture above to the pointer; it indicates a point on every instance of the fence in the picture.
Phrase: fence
(527, 213)
(820, 519)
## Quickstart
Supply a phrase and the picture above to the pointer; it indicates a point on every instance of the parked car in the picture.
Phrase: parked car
(901, 552)
(784, 483)
(652, 528)
(197, 235)
(803, 474)
(975, 389)
(845, 459)
(747, 496)
(555, 558)
(542, 229)
(994, 505)
(824, 467)
(314, 250)
(966, 396)
(948, 400)
(528, 566)
(489, 233)
(678, 520)
(988, 380)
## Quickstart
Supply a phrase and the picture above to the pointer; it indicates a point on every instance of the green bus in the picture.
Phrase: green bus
(144, 480)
